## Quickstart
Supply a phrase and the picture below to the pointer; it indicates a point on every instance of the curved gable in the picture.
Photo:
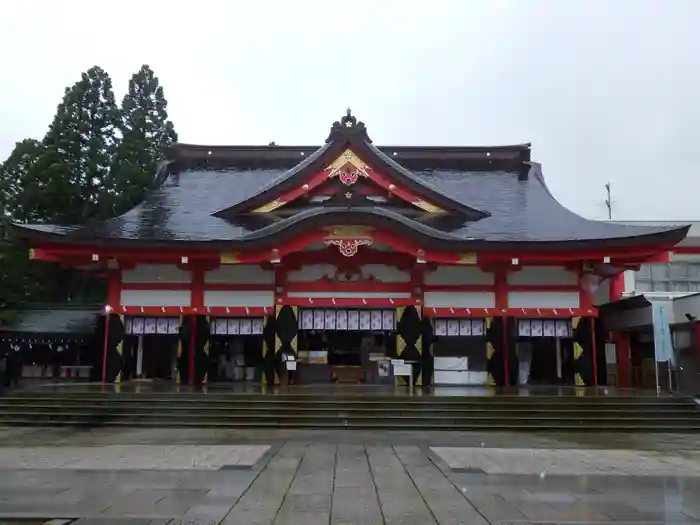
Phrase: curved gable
(349, 156)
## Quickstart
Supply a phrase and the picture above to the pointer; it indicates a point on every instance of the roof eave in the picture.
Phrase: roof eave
(660, 241)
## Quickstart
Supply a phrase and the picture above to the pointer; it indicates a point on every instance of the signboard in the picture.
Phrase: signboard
(663, 347)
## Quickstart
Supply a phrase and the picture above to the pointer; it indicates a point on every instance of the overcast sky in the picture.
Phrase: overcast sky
(604, 89)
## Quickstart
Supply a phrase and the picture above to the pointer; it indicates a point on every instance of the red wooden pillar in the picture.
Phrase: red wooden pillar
(114, 300)
(595, 352)
(696, 327)
(500, 282)
(190, 355)
(197, 299)
(616, 287)
(622, 349)
(114, 288)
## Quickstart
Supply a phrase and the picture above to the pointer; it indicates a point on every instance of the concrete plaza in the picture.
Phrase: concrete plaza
(282, 478)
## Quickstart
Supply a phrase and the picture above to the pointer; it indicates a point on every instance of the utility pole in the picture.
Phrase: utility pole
(608, 201)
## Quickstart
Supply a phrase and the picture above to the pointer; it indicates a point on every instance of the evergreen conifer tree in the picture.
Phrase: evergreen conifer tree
(79, 150)
(146, 136)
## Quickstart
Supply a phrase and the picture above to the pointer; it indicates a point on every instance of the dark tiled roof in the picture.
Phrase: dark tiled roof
(522, 209)
(63, 321)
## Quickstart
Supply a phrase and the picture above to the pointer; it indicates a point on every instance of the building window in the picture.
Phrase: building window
(668, 277)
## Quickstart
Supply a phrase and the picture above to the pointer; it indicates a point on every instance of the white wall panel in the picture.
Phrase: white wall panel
(543, 300)
(240, 274)
(459, 299)
(543, 275)
(156, 298)
(458, 275)
(156, 273)
(213, 298)
(388, 274)
(310, 273)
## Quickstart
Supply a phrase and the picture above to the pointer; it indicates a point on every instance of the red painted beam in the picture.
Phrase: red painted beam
(161, 311)
(40, 254)
(620, 256)
(691, 250)
(315, 302)
(509, 312)
(366, 255)
(616, 255)
(362, 286)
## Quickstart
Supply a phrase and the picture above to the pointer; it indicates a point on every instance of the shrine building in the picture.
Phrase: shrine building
(343, 257)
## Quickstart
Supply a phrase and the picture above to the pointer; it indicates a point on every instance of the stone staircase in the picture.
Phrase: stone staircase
(644, 413)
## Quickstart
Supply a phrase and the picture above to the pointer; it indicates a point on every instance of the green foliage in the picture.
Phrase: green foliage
(20, 195)
(146, 135)
(80, 149)
(95, 161)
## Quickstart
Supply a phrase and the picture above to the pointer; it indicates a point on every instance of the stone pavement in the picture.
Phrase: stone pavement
(132, 457)
(320, 483)
(571, 461)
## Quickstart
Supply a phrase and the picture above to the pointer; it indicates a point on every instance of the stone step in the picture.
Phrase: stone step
(244, 408)
(262, 400)
(366, 411)
(165, 417)
(376, 425)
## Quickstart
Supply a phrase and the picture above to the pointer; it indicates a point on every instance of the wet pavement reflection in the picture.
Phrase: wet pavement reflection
(312, 482)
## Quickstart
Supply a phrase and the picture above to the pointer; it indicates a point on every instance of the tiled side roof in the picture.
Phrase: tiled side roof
(521, 210)
(525, 210)
(53, 321)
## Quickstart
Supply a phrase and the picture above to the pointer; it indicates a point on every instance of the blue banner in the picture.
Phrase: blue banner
(663, 346)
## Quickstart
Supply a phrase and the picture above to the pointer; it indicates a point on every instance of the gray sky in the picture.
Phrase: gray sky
(604, 89)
